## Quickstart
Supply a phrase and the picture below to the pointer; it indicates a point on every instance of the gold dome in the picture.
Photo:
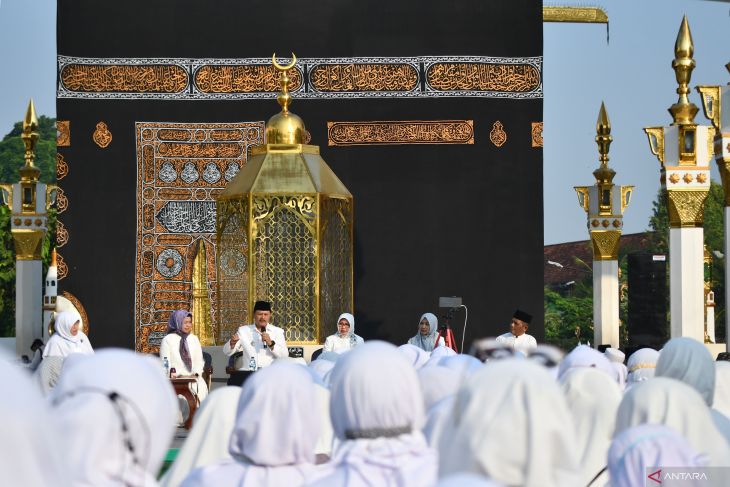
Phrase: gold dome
(285, 128)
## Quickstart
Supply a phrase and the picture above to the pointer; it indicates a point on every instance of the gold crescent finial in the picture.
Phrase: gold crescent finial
(288, 66)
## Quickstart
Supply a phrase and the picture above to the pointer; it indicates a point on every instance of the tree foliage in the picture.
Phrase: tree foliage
(12, 151)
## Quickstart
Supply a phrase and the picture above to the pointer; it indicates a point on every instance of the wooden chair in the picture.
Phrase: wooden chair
(207, 369)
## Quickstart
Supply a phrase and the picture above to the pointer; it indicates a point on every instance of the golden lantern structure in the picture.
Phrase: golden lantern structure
(605, 203)
(285, 235)
(684, 150)
(28, 200)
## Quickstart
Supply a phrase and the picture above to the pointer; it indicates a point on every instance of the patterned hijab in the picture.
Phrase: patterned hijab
(426, 342)
(175, 325)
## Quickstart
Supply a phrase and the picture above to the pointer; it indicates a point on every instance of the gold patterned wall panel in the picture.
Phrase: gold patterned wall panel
(252, 78)
(536, 134)
(61, 167)
(314, 78)
(336, 279)
(123, 78)
(482, 77)
(63, 133)
(233, 262)
(401, 132)
(284, 250)
(181, 167)
(363, 77)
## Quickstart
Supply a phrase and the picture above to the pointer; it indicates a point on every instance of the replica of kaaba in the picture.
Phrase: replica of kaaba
(429, 114)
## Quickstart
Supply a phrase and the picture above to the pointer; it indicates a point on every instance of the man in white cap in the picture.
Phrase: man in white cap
(517, 338)
(261, 342)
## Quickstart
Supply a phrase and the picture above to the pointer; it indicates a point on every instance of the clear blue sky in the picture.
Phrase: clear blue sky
(632, 74)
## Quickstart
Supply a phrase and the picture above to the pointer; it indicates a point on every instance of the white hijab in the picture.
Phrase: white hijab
(641, 365)
(320, 368)
(62, 342)
(442, 351)
(464, 365)
(670, 402)
(351, 320)
(722, 388)
(116, 413)
(276, 429)
(593, 400)
(689, 361)
(510, 422)
(584, 356)
(621, 372)
(437, 382)
(648, 445)
(31, 451)
(414, 355)
(426, 342)
(207, 442)
(376, 408)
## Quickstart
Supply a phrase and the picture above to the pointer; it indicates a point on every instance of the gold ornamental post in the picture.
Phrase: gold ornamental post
(285, 234)
(28, 201)
(684, 150)
(604, 204)
(716, 106)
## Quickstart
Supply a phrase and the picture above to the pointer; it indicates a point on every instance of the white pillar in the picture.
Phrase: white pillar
(605, 303)
(726, 252)
(711, 323)
(686, 277)
(28, 304)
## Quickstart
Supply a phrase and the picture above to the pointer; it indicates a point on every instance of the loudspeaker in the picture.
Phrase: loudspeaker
(648, 297)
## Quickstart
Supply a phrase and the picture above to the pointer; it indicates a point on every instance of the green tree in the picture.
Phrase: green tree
(12, 151)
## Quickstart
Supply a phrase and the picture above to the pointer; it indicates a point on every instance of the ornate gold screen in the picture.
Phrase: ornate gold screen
(300, 260)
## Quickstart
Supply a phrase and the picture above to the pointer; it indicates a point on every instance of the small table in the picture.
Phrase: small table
(182, 388)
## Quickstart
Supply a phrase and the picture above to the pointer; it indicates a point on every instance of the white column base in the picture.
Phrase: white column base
(605, 303)
(686, 283)
(28, 304)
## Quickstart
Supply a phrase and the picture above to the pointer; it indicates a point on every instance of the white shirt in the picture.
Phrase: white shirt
(250, 343)
(170, 348)
(336, 343)
(523, 343)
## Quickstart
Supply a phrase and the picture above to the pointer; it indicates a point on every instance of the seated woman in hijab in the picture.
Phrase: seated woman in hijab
(68, 337)
(376, 407)
(183, 350)
(345, 338)
(275, 433)
(425, 339)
